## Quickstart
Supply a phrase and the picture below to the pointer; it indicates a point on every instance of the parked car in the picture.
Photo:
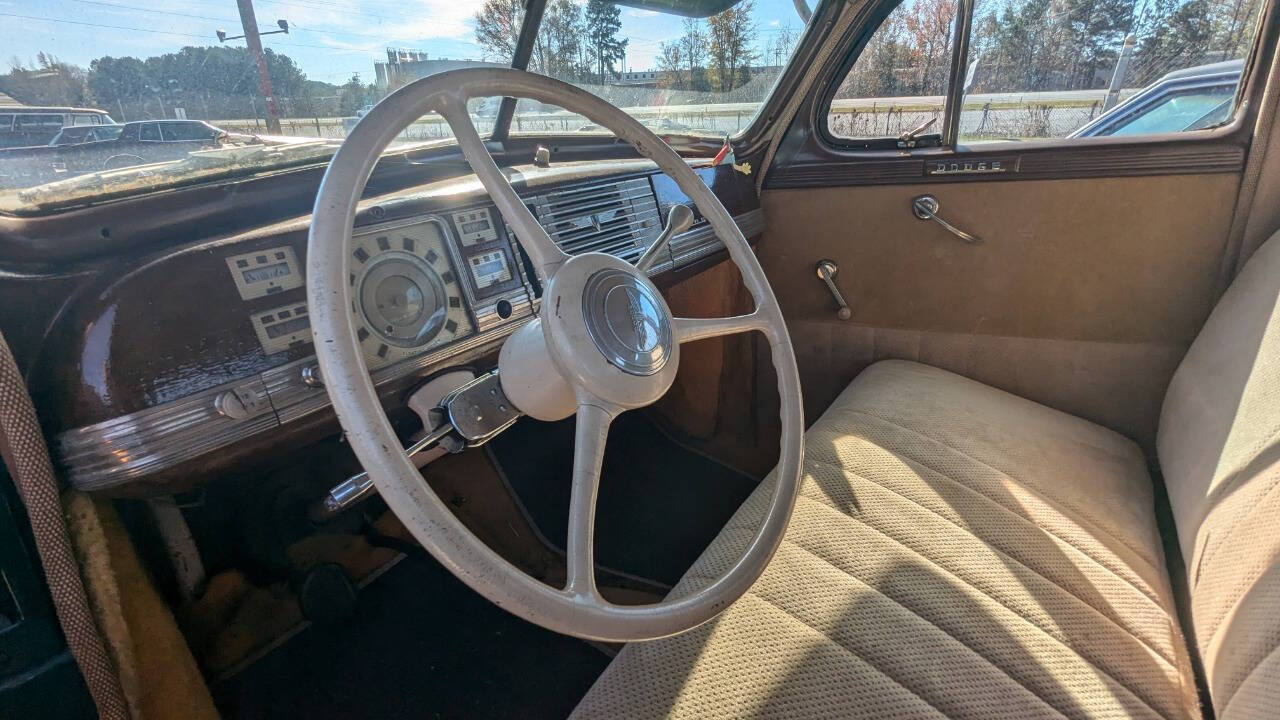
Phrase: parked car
(149, 141)
(26, 126)
(86, 133)
(1190, 99)
(134, 143)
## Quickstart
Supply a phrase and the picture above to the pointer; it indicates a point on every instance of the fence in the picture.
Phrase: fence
(990, 116)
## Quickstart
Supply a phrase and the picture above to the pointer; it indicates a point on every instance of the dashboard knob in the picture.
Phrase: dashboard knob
(231, 405)
(311, 376)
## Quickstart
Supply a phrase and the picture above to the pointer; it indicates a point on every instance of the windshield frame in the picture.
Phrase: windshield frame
(129, 182)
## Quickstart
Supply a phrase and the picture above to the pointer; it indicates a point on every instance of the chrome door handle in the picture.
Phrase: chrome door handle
(925, 207)
(827, 270)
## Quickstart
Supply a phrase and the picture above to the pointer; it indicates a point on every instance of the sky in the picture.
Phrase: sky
(329, 39)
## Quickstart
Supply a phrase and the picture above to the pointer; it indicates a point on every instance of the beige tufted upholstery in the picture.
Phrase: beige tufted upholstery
(956, 552)
(1219, 449)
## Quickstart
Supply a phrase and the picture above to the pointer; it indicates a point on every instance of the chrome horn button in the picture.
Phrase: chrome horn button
(626, 322)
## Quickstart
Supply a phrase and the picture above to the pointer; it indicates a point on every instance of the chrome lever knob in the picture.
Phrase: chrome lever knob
(827, 270)
(679, 219)
(925, 207)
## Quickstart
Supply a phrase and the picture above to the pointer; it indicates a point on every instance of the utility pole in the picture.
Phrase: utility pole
(1117, 76)
(254, 42)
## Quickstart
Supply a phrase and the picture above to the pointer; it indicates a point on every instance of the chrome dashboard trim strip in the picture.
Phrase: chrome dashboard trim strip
(700, 242)
(118, 451)
(115, 451)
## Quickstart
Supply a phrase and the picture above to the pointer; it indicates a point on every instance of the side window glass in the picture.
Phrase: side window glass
(1086, 68)
(186, 131)
(39, 122)
(149, 131)
(6, 122)
(82, 119)
(899, 81)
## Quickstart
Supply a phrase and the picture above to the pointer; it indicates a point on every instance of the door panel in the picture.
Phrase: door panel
(1083, 293)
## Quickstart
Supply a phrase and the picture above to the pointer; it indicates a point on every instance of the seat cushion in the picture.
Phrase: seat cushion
(956, 551)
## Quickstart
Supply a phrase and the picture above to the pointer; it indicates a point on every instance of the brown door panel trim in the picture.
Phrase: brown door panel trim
(1181, 158)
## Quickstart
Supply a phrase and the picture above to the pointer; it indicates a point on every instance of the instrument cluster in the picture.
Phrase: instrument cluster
(416, 285)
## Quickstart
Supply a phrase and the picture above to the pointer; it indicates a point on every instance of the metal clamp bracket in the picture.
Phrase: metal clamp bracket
(925, 207)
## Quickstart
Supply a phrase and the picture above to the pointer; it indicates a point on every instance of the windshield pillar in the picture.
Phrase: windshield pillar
(520, 61)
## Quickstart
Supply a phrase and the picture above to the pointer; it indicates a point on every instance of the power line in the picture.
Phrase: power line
(100, 25)
(292, 26)
(152, 10)
(322, 6)
(330, 48)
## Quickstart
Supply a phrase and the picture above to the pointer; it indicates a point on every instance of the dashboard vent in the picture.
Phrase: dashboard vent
(619, 218)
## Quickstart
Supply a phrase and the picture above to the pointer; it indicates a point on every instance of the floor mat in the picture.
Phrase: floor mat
(422, 645)
(660, 504)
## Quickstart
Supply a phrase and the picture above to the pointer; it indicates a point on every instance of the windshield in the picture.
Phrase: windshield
(195, 90)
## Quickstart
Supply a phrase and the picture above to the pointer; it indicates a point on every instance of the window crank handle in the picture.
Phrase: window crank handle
(827, 270)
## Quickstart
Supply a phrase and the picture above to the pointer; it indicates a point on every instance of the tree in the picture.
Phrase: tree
(1172, 35)
(1093, 31)
(781, 45)
(603, 22)
(498, 28)
(671, 64)
(693, 41)
(561, 39)
(48, 82)
(875, 74)
(352, 96)
(1233, 20)
(731, 48)
(683, 60)
(928, 27)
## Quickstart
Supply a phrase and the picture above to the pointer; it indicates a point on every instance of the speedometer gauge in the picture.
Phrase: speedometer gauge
(405, 291)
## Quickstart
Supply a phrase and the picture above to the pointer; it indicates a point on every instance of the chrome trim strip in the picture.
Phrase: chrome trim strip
(700, 242)
(117, 451)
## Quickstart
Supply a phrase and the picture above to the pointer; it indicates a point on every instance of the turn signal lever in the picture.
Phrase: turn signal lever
(470, 416)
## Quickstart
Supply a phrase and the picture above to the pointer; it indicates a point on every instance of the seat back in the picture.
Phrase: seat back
(1219, 448)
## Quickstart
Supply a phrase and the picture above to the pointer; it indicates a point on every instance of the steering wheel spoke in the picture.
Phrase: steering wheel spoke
(693, 329)
(593, 422)
(543, 251)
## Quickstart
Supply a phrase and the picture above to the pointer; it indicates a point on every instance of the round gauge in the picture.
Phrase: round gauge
(403, 300)
(407, 295)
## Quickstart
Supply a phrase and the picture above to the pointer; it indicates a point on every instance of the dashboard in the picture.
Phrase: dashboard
(201, 355)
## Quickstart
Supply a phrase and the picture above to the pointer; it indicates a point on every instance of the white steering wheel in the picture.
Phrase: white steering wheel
(605, 342)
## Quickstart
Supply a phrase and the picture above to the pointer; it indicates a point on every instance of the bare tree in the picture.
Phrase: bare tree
(781, 45)
(561, 41)
(671, 64)
(928, 25)
(731, 49)
(693, 44)
(498, 28)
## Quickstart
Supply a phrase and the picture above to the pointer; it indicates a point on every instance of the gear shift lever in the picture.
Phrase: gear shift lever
(679, 218)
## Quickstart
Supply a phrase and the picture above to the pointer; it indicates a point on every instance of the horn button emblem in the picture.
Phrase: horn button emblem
(626, 322)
